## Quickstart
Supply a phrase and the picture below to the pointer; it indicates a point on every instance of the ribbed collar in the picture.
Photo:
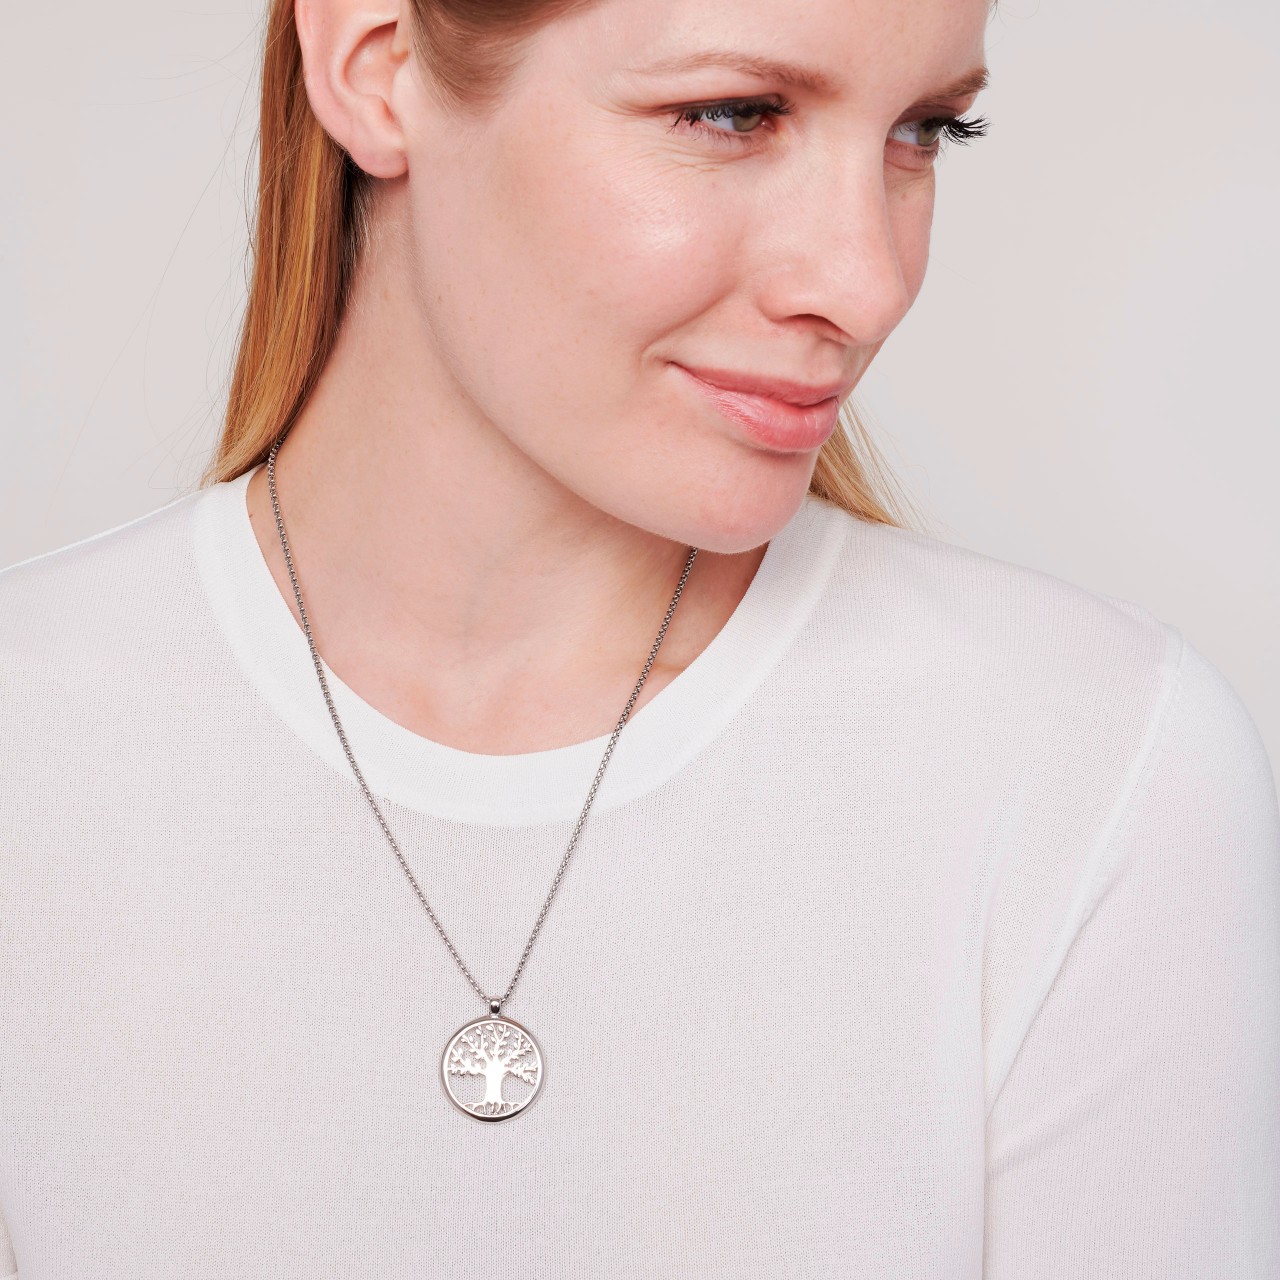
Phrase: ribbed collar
(509, 790)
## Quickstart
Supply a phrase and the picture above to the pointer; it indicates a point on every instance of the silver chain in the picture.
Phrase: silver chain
(495, 1005)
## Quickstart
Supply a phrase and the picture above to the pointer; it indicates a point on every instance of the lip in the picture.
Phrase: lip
(780, 425)
(798, 393)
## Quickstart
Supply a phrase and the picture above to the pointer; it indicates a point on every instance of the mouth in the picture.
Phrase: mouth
(774, 424)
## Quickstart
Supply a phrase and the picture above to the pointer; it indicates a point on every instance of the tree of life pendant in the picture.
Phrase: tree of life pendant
(492, 1068)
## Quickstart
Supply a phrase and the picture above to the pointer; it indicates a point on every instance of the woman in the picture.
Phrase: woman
(908, 913)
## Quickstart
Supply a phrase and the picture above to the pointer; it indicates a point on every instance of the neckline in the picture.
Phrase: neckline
(405, 768)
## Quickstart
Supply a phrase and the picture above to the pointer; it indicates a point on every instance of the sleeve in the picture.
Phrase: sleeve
(1137, 1131)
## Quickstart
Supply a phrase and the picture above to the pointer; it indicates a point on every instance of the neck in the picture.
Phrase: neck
(458, 589)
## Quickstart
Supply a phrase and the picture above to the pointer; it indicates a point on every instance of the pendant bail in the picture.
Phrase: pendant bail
(495, 1007)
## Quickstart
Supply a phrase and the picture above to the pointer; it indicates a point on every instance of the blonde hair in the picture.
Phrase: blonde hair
(314, 216)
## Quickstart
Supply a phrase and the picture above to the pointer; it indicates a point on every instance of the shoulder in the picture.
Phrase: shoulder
(1061, 696)
(1042, 637)
(96, 595)
(982, 605)
(1007, 640)
(1206, 755)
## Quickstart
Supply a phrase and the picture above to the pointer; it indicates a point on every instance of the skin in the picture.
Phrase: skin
(491, 494)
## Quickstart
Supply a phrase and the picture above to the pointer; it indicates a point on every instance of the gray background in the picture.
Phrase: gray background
(1086, 383)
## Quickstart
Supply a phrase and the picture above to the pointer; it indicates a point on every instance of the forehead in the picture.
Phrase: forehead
(837, 46)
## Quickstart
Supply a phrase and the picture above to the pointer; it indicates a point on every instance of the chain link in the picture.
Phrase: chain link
(495, 1004)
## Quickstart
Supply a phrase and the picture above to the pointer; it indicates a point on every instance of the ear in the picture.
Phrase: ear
(352, 51)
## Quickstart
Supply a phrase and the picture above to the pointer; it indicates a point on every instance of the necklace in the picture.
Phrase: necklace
(488, 1051)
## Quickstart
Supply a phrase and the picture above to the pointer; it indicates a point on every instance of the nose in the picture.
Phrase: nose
(844, 247)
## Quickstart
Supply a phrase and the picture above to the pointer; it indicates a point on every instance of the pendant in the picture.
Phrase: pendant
(492, 1068)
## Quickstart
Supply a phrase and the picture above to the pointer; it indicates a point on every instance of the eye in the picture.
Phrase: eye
(937, 129)
(751, 111)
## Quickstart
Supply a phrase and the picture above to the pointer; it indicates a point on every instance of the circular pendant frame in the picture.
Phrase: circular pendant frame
(492, 1048)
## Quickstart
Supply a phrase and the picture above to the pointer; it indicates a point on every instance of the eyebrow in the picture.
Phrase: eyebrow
(790, 73)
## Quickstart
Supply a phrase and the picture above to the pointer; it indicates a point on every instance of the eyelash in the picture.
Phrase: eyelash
(954, 128)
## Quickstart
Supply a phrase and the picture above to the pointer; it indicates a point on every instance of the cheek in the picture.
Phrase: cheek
(555, 280)
(552, 273)
(625, 249)
(911, 216)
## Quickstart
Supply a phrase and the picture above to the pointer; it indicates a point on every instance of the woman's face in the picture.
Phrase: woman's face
(578, 250)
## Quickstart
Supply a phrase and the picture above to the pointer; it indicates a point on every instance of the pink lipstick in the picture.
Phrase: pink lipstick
(754, 404)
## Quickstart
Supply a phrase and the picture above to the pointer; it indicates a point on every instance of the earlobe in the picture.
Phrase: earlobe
(351, 53)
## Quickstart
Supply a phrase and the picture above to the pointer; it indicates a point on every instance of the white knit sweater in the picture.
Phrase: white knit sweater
(926, 926)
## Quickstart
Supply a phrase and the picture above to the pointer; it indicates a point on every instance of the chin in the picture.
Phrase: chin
(749, 502)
